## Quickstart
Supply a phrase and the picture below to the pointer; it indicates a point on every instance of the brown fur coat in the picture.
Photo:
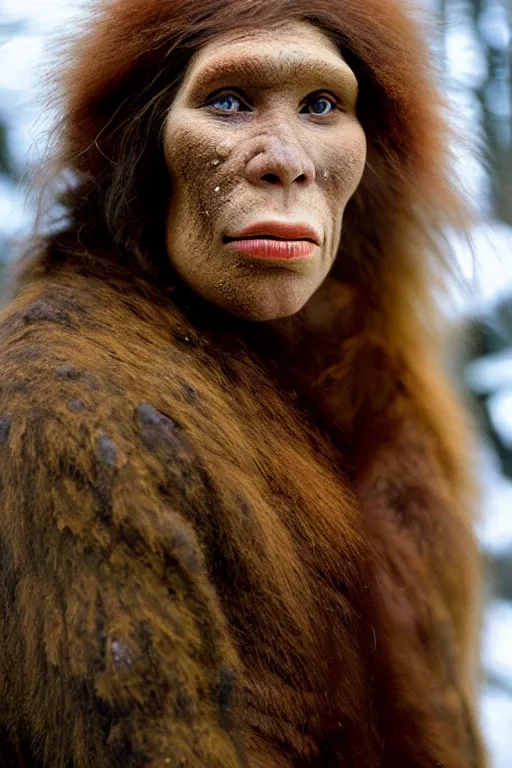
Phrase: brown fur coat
(195, 574)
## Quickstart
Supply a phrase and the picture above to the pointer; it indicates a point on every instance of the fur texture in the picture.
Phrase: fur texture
(222, 543)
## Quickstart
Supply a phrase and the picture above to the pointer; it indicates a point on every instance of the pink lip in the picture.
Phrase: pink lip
(275, 240)
(265, 248)
(280, 229)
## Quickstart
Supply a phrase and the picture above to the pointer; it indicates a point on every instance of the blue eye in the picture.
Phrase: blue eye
(321, 106)
(227, 103)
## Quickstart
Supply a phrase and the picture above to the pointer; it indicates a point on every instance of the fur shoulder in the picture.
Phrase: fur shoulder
(104, 583)
(70, 419)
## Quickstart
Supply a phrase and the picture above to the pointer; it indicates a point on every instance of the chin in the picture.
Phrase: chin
(264, 312)
(258, 302)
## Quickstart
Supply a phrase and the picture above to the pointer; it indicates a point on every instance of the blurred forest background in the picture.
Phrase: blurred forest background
(472, 39)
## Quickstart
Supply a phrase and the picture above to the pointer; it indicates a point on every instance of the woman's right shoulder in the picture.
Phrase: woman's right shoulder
(74, 346)
(53, 318)
(47, 305)
(53, 333)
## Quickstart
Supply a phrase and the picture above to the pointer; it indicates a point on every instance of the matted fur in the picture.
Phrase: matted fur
(223, 543)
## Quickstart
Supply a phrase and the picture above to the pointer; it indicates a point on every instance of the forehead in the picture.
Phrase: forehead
(270, 55)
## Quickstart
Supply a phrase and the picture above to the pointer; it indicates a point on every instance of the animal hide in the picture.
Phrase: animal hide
(195, 574)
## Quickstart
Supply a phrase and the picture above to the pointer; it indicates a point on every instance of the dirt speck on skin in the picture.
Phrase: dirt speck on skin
(223, 150)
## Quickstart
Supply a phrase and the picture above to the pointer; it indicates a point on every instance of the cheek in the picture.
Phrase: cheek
(189, 154)
(350, 162)
(186, 147)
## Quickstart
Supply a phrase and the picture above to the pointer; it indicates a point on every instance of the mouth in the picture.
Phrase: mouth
(276, 231)
(272, 248)
(275, 240)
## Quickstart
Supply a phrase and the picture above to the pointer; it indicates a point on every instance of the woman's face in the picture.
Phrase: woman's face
(264, 150)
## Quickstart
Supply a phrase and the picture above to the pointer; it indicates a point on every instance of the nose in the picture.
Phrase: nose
(280, 162)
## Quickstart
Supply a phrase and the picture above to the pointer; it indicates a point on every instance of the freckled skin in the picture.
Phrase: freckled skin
(220, 165)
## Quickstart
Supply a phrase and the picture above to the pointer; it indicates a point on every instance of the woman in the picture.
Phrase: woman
(236, 500)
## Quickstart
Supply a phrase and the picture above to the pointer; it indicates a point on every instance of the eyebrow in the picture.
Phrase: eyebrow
(256, 70)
